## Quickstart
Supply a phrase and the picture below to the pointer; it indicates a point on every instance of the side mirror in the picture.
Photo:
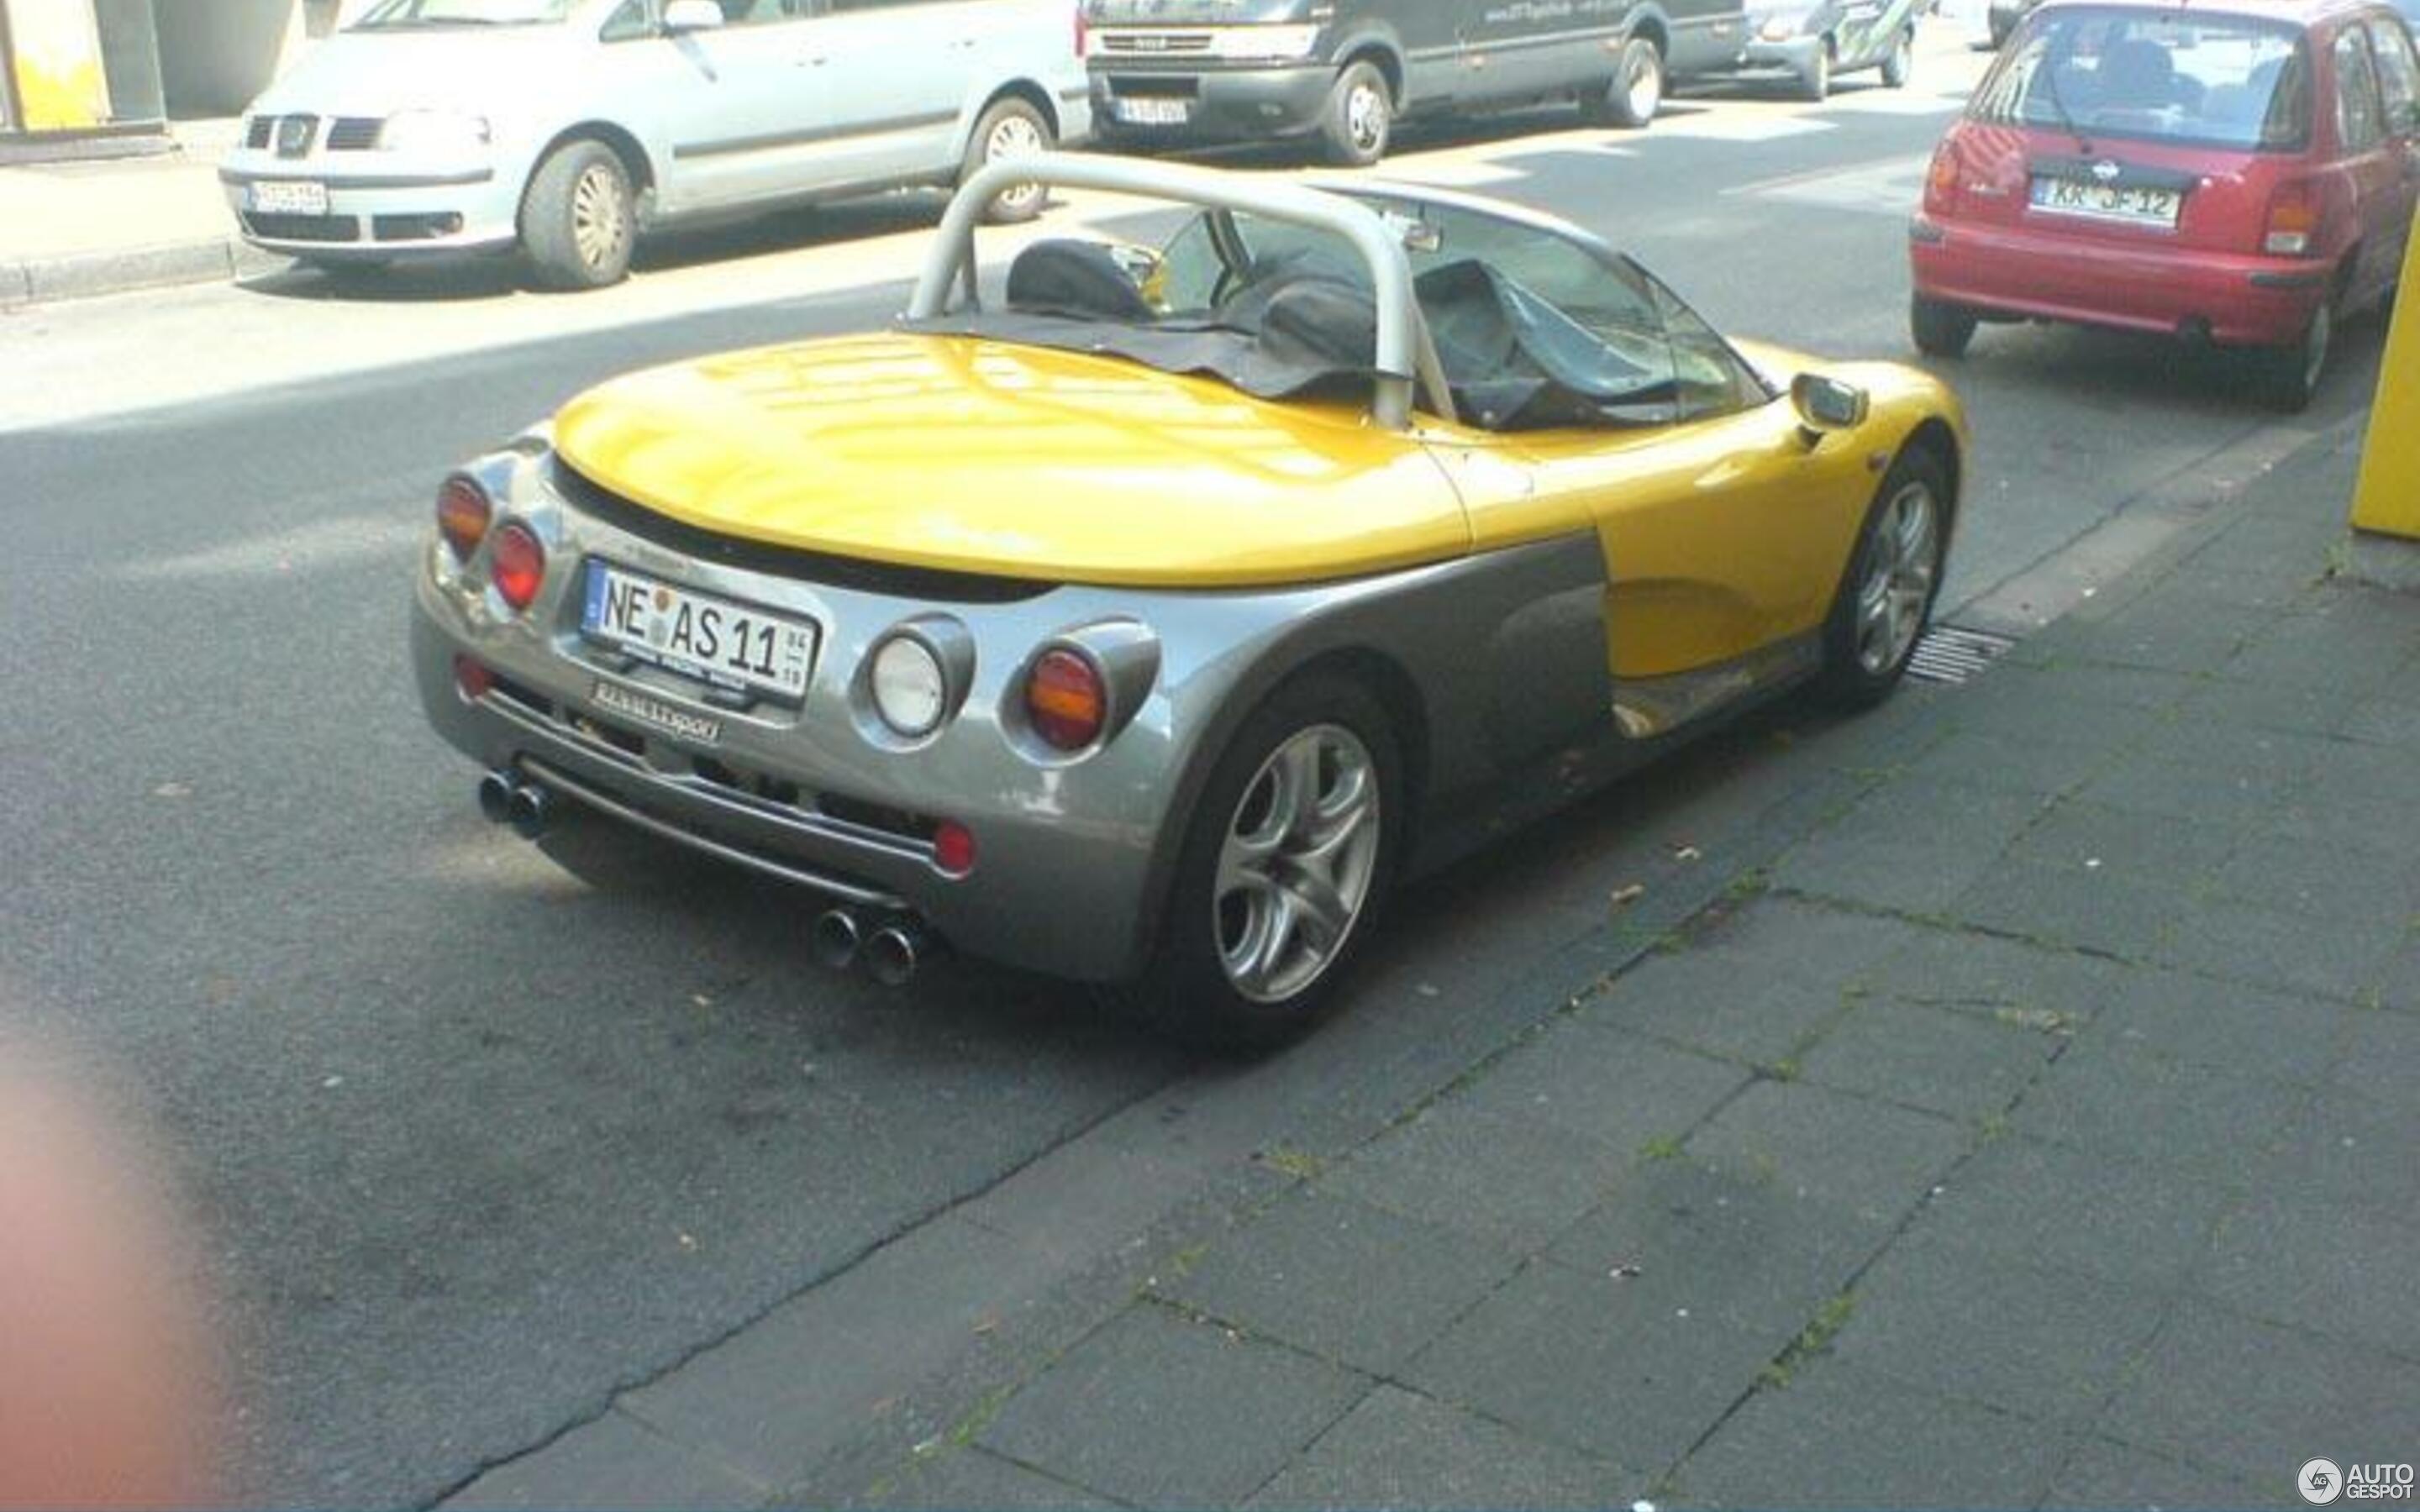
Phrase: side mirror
(691, 16)
(1826, 404)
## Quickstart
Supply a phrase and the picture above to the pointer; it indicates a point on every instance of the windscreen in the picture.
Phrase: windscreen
(2165, 75)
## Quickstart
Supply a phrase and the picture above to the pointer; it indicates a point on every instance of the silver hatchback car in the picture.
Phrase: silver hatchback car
(568, 127)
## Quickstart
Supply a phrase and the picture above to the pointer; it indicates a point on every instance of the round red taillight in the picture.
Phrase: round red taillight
(516, 564)
(1064, 700)
(954, 848)
(463, 511)
(472, 678)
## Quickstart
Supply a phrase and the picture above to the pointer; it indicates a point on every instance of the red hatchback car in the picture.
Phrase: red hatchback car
(2241, 173)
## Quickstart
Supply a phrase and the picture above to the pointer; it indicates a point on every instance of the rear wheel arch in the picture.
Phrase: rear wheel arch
(1374, 671)
(1026, 91)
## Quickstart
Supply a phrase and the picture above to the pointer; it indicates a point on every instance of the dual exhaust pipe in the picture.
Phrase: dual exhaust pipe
(893, 949)
(506, 798)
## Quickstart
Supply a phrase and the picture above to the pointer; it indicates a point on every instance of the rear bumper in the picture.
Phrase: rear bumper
(2011, 273)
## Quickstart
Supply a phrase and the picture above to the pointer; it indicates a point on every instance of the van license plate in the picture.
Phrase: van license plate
(1148, 111)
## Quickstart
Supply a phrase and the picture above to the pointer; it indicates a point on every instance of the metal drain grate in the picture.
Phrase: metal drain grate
(1952, 654)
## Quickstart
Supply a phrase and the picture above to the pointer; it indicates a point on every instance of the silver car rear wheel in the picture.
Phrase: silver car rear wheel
(1282, 873)
(1298, 864)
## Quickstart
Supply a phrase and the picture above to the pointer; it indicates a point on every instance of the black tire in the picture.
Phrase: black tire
(1636, 92)
(1358, 119)
(1864, 657)
(1815, 80)
(1192, 992)
(1008, 128)
(579, 218)
(1939, 328)
(1899, 61)
(2290, 374)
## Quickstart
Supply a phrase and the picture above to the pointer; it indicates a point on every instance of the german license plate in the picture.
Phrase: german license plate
(711, 638)
(1151, 111)
(2130, 203)
(287, 196)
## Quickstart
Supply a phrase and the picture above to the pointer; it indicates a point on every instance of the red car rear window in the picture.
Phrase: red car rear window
(2164, 75)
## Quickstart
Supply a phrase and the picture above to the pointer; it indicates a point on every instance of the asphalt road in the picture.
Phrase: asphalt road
(476, 1132)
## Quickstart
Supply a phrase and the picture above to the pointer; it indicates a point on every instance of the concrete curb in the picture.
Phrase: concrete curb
(82, 275)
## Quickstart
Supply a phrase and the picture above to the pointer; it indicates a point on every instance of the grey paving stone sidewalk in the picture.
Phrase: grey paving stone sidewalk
(2037, 1130)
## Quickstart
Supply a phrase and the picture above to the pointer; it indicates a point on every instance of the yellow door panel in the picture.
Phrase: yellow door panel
(1721, 535)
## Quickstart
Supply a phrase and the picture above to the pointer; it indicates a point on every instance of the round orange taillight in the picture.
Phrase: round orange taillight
(463, 511)
(1064, 700)
(516, 564)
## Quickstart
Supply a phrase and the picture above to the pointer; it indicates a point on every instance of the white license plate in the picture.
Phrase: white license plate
(1149, 111)
(2130, 203)
(287, 196)
(714, 639)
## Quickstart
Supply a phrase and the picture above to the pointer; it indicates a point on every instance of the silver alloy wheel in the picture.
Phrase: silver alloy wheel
(600, 217)
(1901, 561)
(1296, 864)
(1642, 85)
(1365, 116)
(1014, 136)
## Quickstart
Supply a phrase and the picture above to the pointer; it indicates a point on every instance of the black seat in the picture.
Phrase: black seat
(1071, 277)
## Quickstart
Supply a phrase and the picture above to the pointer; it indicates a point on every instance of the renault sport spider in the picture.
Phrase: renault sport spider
(1143, 615)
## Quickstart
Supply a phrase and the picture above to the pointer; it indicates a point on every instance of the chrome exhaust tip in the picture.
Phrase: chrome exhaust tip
(496, 796)
(528, 811)
(896, 952)
(835, 939)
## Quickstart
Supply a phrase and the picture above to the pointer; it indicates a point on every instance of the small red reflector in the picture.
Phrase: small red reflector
(954, 848)
(462, 514)
(472, 678)
(516, 564)
(1064, 700)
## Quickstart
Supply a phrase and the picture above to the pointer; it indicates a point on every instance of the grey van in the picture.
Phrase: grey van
(568, 127)
(1344, 72)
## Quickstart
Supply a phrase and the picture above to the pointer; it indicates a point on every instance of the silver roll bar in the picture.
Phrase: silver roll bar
(1404, 352)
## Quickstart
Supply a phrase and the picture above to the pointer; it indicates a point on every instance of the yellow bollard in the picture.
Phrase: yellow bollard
(2387, 499)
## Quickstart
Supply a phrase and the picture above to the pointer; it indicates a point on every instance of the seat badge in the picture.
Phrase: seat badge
(2105, 170)
(655, 713)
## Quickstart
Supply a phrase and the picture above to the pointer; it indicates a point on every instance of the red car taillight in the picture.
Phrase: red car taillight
(954, 848)
(1080, 37)
(1941, 179)
(463, 511)
(516, 564)
(1064, 700)
(2293, 223)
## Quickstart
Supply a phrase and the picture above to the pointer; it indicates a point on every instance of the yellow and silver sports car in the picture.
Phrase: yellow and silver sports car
(1143, 615)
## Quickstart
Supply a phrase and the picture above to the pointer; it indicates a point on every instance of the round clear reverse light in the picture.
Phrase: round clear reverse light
(907, 685)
